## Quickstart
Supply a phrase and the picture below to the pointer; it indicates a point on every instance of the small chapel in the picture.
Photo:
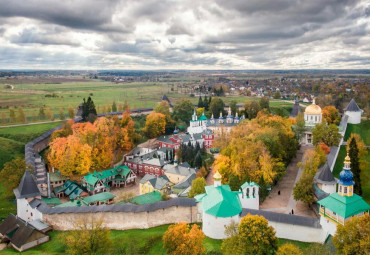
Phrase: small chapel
(341, 206)
(312, 116)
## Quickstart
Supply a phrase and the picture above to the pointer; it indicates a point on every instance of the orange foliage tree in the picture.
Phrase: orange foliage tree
(155, 125)
(331, 114)
(180, 239)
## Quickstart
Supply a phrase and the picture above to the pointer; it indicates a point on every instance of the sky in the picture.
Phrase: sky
(187, 34)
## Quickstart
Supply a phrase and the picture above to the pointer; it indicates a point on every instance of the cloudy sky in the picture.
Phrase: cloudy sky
(187, 34)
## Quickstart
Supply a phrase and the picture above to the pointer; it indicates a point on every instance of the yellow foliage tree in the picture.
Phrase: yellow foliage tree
(289, 249)
(155, 125)
(180, 239)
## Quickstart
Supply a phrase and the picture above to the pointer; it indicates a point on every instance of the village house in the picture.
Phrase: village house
(104, 198)
(70, 189)
(56, 179)
(178, 172)
(146, 164)
(98, 182)
(150, 183)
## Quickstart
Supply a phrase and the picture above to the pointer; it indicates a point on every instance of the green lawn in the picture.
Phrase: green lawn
(7, 205)
(363, 129)
(142, 241)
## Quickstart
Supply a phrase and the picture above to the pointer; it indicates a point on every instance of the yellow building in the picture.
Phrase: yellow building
(150, 183)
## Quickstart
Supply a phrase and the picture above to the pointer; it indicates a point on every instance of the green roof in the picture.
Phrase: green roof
(148, 198)
(249, 184)
(71, 203)
(98, 197)
(51, 201)
(202, 117)
(54, 177)
(90, 179)
(221, 201)
(345, 206)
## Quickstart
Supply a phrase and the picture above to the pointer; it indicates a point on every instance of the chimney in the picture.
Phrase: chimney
(49, 191)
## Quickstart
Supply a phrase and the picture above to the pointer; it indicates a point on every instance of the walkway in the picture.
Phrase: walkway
(284, 203)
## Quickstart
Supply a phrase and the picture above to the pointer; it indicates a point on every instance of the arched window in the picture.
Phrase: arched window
(247, 192)
(253, 192)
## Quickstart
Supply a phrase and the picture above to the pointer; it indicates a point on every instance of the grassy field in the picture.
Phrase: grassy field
(148, 241)
(365, 175)
(363, 129)
(7, 205)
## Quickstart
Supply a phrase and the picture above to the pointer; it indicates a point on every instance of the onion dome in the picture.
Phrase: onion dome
(346, 176)
(203, 117)
(212, 117)
(313, 109)
(217, 176)
(220, 115)
(175, 132)
(236, 116)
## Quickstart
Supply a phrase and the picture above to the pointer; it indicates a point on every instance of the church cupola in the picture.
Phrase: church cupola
(221, 119)
(236, 119)
(217, 179)
(229, 118)
(175, 133)
(194, 117)
(346, 179)
(212, 119)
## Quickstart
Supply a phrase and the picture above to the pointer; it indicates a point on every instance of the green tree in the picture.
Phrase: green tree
(11, 174)
(216, 106)
(197, 187)
(42, 114)
(21, 116)
(3, 118)
(61, 114)
(289, 249)
(206, 103)
(234, 182)
(251, 109)
(88, 110)
(12, 114)
(164, 108)
(198, 160)
(200, 102)
(355, 166)
(277, 95)
(300, 126)
(183, 110)
(254, 236)
(233, 107)
(114, 106)
(265, 103)
(263, 188)
(328, 134)
(353, 237)
(89, 237)
(71, 112)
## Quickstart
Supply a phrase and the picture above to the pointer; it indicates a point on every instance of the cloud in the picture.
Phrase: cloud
(238, 34)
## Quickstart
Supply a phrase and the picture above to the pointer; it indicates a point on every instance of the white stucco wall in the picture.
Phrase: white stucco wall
(250, 202)
(214, 227)
(298, 233)
(26, 212)
(329, 188)
(328, 226)
(353, 117)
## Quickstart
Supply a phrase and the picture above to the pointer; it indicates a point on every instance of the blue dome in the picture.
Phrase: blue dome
(229, 116)
(236, 117)
(175, 132)
(346, 177)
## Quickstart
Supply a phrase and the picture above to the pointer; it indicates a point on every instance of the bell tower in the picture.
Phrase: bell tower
(346, 179)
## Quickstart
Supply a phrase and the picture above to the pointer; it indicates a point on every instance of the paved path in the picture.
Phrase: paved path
(29, 124)
(284, 203)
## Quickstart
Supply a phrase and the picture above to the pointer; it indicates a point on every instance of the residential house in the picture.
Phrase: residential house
(146, 164)
(98, 182)
(150, 183)
(106, 198)
(178, 172)
(70, 189)
(56, 179)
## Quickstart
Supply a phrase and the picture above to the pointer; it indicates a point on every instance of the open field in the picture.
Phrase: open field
(363, 129)
(365, 175)
(136, 241)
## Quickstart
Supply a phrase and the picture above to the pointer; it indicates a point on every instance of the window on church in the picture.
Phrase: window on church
(247, 192)
(340, 189)
(253, 192)
(345, 189)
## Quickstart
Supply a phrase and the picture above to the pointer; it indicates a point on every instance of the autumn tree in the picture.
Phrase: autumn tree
(253, 236)
(353, 237)
(183, 110)
(277, 95)
(61, 114)
(12, 115)
(71, 112)
(3, 118)
(70, 156)
(164, 108)
(49, 114)
(216, 106)
(89, 237)
(21, 116)
(251, 109)
(331, 115)
(233, 107)
(180, 239)
(114, 106)
(328, 134)
(197, 187)
(234, 182)
(289, 249)
(11, 174)
(155, 125)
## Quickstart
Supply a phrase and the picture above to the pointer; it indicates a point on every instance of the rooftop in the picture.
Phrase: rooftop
(27, 187)
(148, 198)
(98, 197)
(352, 106)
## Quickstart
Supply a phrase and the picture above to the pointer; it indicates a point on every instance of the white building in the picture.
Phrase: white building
(354, 112)
(197, 126)
(325, 180)
(312, 116)
(220, 206)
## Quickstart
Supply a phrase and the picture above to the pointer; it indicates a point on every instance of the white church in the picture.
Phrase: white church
(220, 205)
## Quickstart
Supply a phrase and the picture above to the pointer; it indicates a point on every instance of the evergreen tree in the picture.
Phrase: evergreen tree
(209, 101)
(205, 103)
(265, 103)
(198, 160)
(155, 155)
(234, 182)
(88, 110)
(200, 102)
(12, 114)
(263, 188)
(42, 114)
(355, 166)
(114, 107)
(183, 153)
(167, 155)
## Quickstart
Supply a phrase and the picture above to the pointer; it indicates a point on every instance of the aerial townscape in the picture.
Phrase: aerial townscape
(182, 127)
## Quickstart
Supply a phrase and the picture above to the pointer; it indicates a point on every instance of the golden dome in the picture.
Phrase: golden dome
(347, 159)
(313, 109)
(217, 176)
